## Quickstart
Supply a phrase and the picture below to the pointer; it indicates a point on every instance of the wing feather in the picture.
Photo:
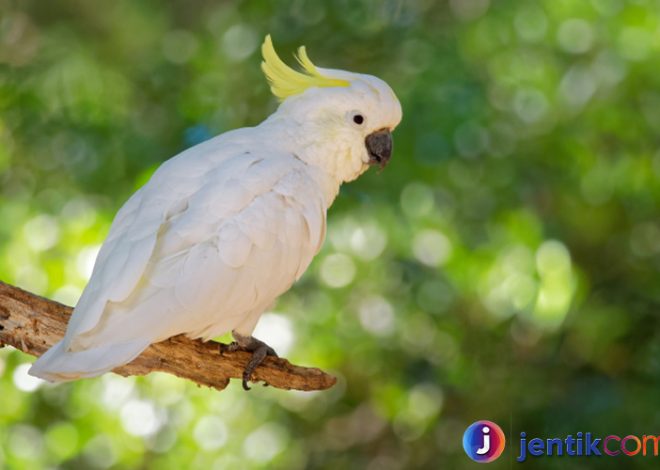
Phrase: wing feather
(203, 259)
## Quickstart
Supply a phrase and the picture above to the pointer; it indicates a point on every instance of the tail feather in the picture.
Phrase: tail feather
(60, 365)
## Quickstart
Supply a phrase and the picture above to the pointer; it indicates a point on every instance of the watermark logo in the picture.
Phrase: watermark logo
(584, 444)
(483, 441)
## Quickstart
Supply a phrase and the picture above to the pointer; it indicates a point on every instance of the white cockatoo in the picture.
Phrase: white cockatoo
(224, 228)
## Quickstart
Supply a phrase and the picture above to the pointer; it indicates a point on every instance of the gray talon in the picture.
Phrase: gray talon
(259, 351)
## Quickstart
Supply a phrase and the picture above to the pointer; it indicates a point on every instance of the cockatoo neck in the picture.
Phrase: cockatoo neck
(331, 158)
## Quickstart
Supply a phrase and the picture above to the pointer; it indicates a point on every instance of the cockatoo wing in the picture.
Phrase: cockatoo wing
(215, 265)
(203, 259)
(133, 234)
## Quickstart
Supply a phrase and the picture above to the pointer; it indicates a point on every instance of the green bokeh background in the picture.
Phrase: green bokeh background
(505, 266)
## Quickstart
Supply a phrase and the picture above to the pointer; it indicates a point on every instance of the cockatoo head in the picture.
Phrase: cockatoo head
(343, 121)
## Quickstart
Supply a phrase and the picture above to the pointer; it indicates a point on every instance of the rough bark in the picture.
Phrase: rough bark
(33, 324)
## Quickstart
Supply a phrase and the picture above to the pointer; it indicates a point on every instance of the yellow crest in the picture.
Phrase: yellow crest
(285, 81)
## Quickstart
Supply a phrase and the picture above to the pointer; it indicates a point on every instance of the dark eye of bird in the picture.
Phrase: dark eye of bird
(358, 119)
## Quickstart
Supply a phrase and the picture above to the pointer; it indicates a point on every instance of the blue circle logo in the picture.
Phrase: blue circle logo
(483, 441)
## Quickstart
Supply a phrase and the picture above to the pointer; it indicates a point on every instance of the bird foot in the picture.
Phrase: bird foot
(259, 351)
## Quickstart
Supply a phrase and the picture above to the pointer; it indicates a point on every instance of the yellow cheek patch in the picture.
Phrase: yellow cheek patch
(285, 81)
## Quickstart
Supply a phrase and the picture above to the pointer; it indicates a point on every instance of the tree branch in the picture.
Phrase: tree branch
(33, 324)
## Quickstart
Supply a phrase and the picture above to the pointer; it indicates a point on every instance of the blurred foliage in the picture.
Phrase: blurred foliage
(505, 265)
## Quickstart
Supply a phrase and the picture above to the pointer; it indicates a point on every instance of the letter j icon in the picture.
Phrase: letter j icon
(486, 447)
(483, 441)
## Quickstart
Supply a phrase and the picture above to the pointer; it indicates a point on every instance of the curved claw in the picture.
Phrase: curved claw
(259, 351)
(258, 356)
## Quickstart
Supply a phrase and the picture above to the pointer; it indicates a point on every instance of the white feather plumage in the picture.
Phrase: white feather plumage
(220, 231)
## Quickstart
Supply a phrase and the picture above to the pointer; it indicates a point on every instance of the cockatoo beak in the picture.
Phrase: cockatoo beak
(379, 146)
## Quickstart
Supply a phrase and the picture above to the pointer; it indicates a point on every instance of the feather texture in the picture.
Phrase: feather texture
(224, 228)
(204, 248)
(285, 81)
